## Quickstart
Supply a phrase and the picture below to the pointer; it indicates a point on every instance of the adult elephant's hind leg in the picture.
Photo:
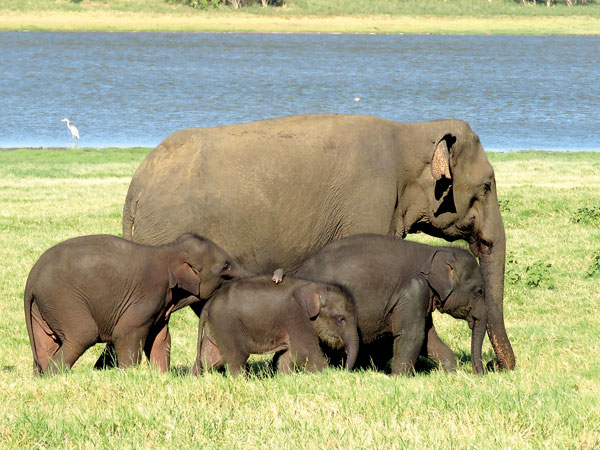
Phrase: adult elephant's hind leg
(158, 347)
(436, 350)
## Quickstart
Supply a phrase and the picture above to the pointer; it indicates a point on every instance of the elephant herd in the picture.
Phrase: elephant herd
(285, 236)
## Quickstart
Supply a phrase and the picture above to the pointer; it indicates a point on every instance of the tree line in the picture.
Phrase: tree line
(236, 4)
(549, 3)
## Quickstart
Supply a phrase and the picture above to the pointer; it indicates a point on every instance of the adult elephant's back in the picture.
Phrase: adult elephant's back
(269, 192)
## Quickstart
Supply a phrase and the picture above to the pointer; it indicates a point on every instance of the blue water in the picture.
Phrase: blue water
(134, 89)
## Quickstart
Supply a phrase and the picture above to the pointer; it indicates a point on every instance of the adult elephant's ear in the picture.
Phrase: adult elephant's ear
(440, 161)
(310, 298)
(438, 270)
(182, 275)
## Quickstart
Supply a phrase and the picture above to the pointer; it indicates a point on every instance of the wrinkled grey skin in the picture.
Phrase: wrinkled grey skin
(272, 192)
(106, 289)
(255, 315)
(396, 285)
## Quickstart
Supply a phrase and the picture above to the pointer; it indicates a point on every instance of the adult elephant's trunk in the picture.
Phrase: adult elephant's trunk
(492, 254)
(476, 343)
(350, 339)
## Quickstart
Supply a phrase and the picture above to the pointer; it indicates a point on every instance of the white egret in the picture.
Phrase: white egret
(74, 131)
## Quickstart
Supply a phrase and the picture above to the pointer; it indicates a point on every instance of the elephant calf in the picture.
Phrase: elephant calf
(105, 289)
(396, 285)
(254, 315)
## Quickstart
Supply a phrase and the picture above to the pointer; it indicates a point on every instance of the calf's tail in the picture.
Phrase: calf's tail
(128, 217)
(28, 300)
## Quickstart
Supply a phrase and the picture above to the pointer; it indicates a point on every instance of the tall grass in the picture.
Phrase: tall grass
(552, 399)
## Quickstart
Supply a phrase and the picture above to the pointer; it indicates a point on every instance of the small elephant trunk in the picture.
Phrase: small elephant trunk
(479, 330)
(351, 342)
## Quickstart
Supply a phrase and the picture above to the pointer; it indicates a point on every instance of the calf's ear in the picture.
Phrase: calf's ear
(438, 270)
(310, 298)
(182, 275)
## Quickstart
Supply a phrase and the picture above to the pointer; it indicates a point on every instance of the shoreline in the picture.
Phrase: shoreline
(243, 22)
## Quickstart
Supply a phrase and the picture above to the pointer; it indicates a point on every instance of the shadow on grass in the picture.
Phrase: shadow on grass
(264, 368)
(254, 369)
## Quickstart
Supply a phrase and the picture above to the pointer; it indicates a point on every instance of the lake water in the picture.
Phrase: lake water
(134, 89)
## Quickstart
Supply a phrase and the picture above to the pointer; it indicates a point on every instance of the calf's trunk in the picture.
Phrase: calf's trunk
(477, 337)
(351, 342)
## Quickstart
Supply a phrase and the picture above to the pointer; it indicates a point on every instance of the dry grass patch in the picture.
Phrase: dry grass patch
(209, 21)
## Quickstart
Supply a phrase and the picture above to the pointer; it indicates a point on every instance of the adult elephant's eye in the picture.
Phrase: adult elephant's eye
(478, 292)
(487, 187)
(340, 319)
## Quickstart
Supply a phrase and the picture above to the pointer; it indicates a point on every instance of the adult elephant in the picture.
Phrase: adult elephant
(274, 191)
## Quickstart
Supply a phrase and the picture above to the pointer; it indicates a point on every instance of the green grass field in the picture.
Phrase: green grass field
(551, 208)
(327, 16)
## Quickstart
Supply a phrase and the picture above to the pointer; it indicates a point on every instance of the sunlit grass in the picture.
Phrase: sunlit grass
(552, 399)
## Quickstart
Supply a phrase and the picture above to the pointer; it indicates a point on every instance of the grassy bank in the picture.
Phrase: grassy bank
(551, 209)
(349, 16)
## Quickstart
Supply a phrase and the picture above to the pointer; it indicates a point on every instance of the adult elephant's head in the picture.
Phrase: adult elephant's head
(457, 199)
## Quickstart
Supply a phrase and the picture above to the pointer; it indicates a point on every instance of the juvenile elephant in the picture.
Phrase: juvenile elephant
(254, 315)
(105, 289)
(272, 192)
(396, 285)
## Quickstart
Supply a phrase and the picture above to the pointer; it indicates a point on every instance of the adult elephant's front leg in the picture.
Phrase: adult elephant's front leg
(436, 350)
(158, 347)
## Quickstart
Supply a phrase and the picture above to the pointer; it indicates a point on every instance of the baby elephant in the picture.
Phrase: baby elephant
(254, 315)
(396, 285)
(105, 289)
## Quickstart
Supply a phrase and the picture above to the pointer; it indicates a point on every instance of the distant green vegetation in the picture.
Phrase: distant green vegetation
(442, 7)
(324, 7)
(309, 16)
(549, 204)
(432, 7)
